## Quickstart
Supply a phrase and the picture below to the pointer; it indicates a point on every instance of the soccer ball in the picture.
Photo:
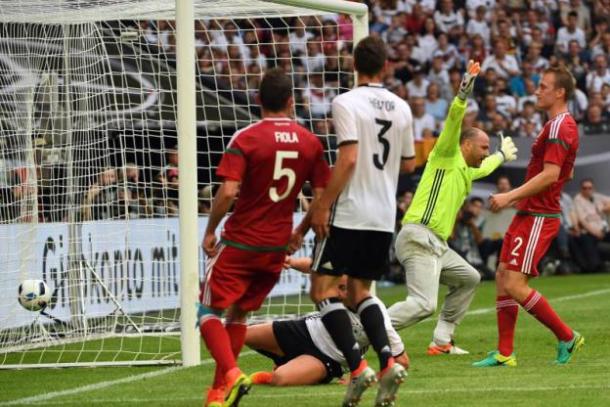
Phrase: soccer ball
(34, 295)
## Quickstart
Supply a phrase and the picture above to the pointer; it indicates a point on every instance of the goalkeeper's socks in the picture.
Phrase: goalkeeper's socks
(218, 343)
(372, 320)
(337, 323)
(539, 307)
(237, 333)
(507, 311)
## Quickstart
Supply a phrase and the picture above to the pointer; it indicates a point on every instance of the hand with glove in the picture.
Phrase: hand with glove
(468, 80)
(507, 148)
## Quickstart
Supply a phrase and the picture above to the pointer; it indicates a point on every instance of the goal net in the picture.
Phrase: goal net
(89, 163)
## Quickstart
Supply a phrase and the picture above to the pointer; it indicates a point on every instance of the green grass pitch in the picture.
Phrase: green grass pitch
(583, 302)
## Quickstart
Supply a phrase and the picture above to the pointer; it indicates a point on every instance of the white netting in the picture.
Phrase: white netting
(88, 166)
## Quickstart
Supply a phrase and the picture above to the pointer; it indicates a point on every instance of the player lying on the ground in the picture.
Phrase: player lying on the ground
(458, 158)
(301, 348)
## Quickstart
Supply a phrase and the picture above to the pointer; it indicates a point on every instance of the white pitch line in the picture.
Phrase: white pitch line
(128, 379)
(482, 311)
(102, 385)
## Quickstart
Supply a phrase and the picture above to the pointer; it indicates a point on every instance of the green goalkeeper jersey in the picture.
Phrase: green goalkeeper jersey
(447, 180)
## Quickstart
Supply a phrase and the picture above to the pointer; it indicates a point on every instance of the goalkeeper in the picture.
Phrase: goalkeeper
(458, 158)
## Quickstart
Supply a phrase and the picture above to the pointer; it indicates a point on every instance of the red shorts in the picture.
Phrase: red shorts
(240, 277)
(526, 241)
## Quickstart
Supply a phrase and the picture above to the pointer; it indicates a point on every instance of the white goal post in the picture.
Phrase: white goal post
(113, 116)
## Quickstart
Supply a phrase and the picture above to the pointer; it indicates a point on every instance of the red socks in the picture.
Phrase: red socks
(237, 336)
(507, 310)
(218, 343)
(539, 307)
(237, 333)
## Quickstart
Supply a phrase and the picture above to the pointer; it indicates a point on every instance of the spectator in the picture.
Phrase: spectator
(570, 32)
(396, 31)
(535, 58)
(517, 83)
(479, 25)
(592, 211)
(206, 196)
(415, 20)
(467, 236)
(423, 123)
(317, 98)
(583, 20)
(478, 50)
(435, 106)
(101, 200)
(427, 41)
(600, 75)
(505, 103)
(418, 86)
(595, 123)
(447, 51)
(299, 37)
(449, 21)
(578, 105)
(603, 46)
(529, 96)
(529, 123)
(404, 64)
(503, 64)
(438, 74)
(495, 226)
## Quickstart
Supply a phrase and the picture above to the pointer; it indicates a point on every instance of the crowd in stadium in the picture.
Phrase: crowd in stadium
(429, 43)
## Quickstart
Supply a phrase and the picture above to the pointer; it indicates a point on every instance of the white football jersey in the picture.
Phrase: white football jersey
(325, 344)
(382, 125)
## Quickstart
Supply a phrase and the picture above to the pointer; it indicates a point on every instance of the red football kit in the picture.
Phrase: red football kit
(538, 218)
(272, 159)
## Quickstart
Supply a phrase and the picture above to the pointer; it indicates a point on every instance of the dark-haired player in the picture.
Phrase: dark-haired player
(267, 163)
(536, 223)
(375, 138)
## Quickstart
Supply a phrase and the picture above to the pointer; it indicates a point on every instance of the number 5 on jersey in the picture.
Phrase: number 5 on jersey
(279, 172)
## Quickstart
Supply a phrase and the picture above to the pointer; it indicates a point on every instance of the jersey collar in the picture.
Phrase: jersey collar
(372, 85)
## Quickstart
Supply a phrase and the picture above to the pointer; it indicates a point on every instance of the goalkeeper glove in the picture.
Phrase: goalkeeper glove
(468, 80)
(507, 148)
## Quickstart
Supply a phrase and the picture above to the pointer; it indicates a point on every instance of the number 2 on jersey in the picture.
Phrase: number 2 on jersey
(279, 172)
(385, 126)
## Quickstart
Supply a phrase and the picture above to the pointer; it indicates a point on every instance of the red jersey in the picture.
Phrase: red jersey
(272, 158)
(556, 144)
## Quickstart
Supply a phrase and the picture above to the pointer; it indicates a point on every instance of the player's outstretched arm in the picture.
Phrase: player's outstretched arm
(222, 202)
(535, 185)
(449, 140)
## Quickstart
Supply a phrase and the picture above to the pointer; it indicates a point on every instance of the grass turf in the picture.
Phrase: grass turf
(582, 301)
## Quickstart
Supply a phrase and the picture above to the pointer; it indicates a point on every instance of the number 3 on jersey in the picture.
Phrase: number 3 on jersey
(280, 172)
(385, 126)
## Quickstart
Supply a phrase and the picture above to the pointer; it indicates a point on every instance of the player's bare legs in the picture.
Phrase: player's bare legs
(303, 370)
(261, 337)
